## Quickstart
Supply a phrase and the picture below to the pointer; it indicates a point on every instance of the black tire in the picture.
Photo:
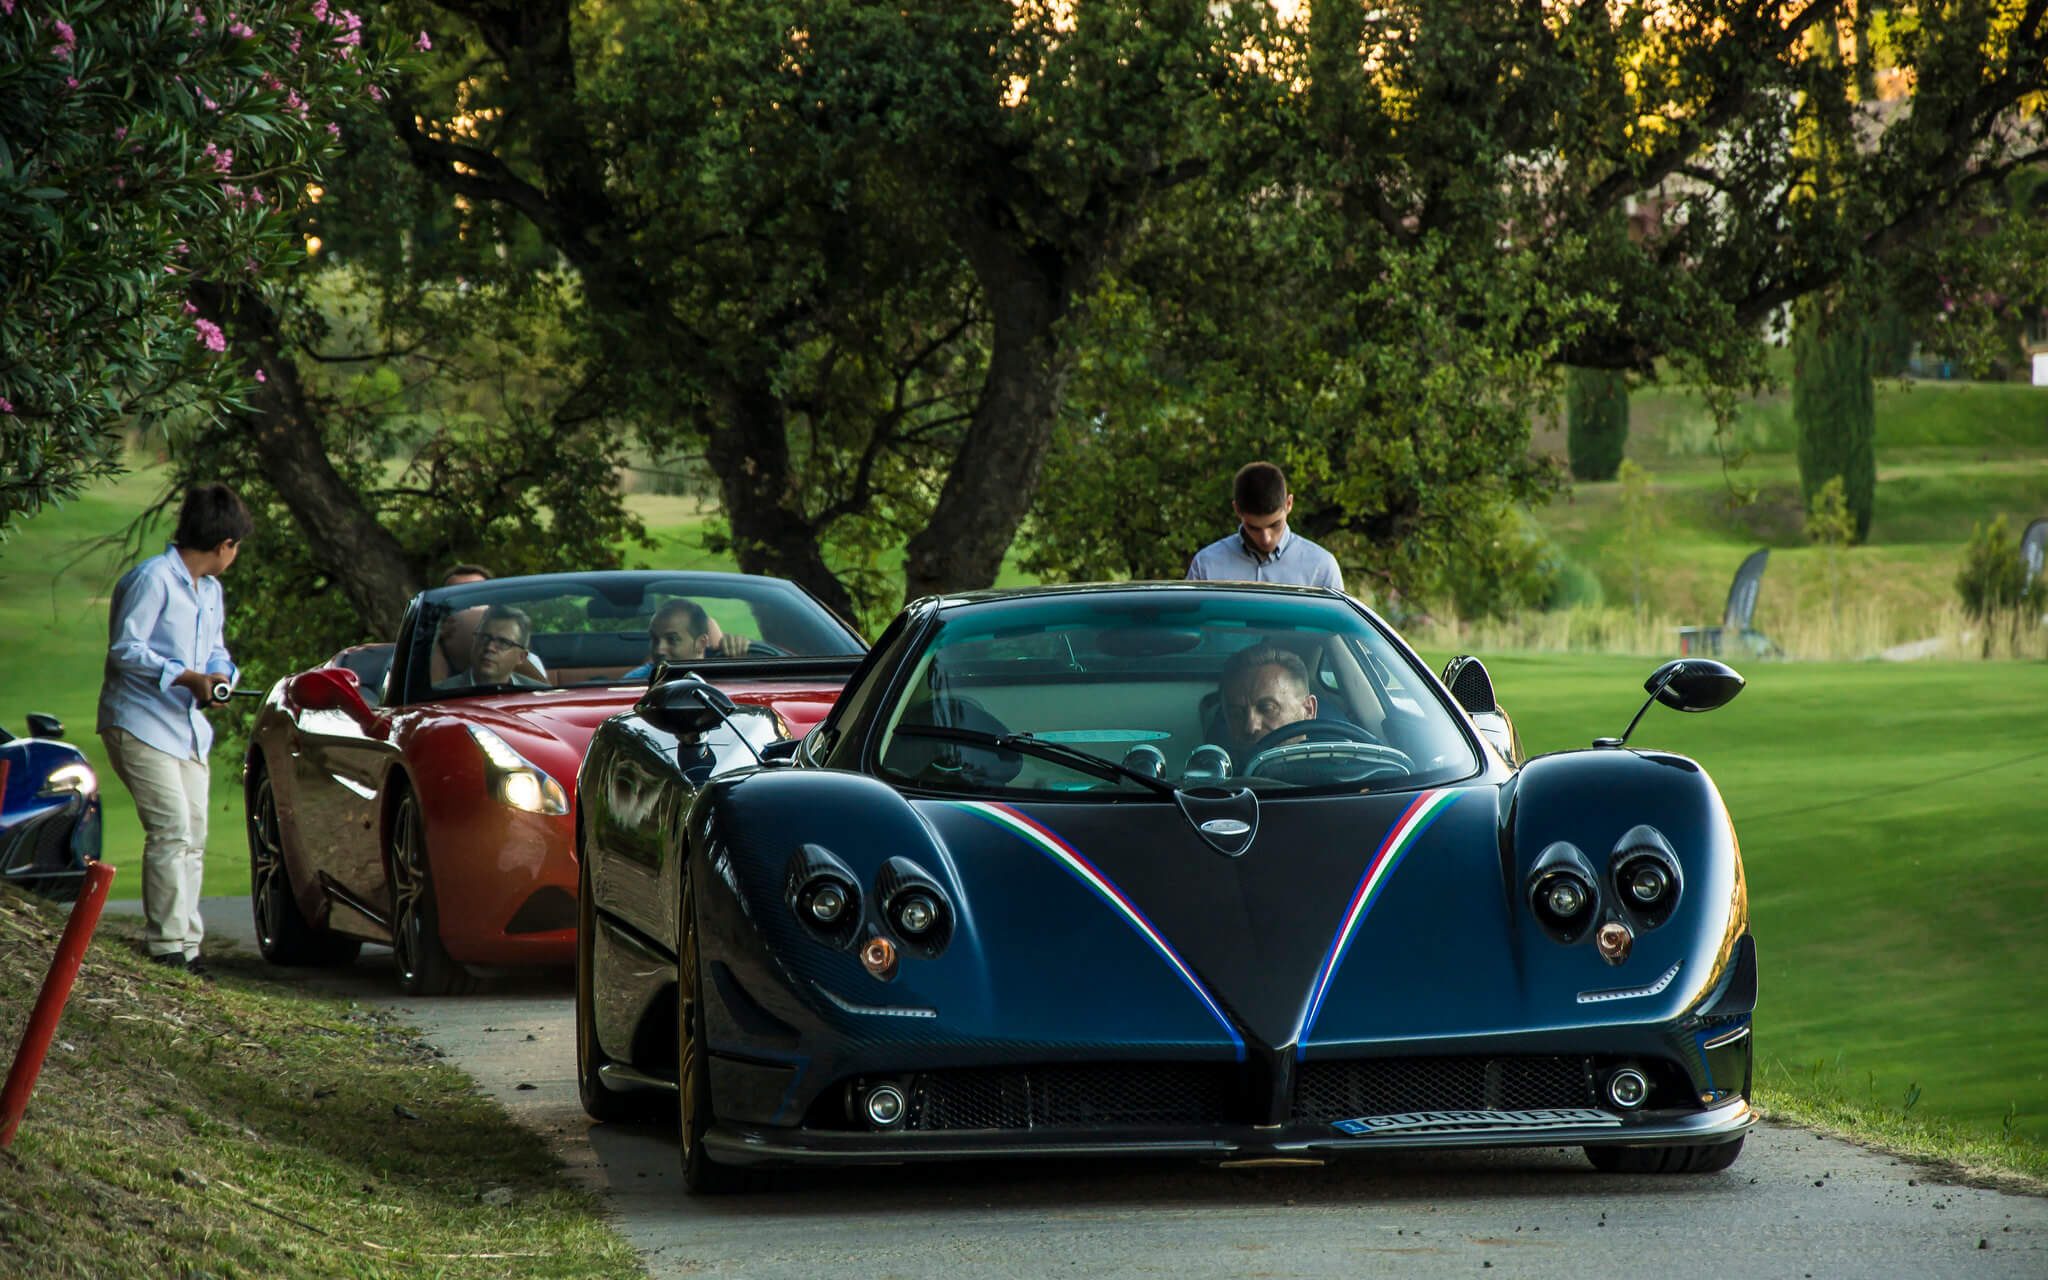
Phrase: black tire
(1711, 1158)
(600, 1103)
(283, 934)
(702, 1175)
(424, 966)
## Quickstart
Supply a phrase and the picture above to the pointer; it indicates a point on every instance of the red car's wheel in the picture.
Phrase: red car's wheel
(282, 932)
(424, 966)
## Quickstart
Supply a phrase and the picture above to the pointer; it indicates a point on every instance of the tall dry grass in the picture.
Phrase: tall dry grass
(1864, 630)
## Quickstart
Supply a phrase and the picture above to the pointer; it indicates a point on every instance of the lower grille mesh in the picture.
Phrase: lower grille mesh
(1327, 1091)
(1082, 1096)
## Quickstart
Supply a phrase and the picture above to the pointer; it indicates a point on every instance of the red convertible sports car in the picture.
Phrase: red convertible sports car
(422, 794)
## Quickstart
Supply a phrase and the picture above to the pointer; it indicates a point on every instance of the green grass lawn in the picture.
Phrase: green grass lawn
(1891, 820)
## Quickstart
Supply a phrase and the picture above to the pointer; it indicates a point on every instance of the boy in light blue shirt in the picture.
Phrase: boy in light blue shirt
(165, 656)
(1263, 549)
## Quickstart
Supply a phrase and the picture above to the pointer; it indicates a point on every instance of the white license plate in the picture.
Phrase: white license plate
(1478, 1121)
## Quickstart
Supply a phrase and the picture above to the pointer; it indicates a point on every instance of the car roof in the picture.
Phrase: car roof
(705, 579)
(1137, 590)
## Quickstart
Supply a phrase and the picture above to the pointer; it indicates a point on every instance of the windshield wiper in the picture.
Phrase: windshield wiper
(1026, 744)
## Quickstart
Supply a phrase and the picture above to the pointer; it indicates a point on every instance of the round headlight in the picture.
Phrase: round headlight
(828, 903)
(1565, 897)
(1648, 882)
(916, 913)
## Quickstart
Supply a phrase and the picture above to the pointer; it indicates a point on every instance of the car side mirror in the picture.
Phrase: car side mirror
(1471, 687)
(1694, 684)
(1684, 684)
(687, 706)
(41, 724)
(782, 750)
(331, 689)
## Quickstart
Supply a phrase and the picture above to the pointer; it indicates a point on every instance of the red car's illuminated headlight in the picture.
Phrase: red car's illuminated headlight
(514, 779)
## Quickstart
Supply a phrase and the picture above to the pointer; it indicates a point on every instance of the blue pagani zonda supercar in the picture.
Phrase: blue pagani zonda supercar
(1173, 869)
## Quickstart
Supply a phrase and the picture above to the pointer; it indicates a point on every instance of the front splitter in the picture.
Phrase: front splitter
(753, 1145)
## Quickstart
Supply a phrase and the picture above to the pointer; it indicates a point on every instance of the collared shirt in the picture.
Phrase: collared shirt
(162, 625)
(1296, 560)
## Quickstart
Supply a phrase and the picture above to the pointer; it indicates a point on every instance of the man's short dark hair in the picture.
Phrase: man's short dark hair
(212, 514)
(1260, 489)
(1245, 661)
(500, 612)
(698, 621)
(464, 571)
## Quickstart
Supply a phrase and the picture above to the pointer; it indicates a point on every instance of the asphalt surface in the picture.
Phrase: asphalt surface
(1794, 1205)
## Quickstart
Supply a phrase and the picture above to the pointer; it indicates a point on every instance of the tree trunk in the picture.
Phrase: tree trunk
(994, 477)
(363, 558)
(749, 453)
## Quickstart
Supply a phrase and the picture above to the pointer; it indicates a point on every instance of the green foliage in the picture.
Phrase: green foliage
(1994, 585)
(1831, 525)
(1642, 515)
(144, 147)
(1834, 403)
(1596, 418)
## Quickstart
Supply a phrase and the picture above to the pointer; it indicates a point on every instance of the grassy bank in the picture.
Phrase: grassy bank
(246, 1129)
(1890, 818)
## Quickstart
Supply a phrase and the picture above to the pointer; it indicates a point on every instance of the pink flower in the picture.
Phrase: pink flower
(260, 377)
(242, 31)
(6, 405)
(120, 132)
(208, 103)
(190, 310)
(210, 335)
(67, 40)
(423, 44)
(294, 46)
(334, 128)
(70, 82)
(376, 94)
(320, 10)
(8, 7)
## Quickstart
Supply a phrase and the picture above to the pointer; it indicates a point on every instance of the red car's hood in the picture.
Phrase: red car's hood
(571, 716)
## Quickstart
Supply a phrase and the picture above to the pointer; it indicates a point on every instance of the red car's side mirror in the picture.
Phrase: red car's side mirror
(332, 689)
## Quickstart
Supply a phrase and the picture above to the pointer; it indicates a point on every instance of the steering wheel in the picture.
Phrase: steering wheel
(1327, 741)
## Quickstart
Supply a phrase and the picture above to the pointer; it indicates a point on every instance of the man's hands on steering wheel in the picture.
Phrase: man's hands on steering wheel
(1327, 740)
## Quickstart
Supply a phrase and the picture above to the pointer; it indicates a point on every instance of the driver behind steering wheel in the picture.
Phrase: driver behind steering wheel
(1264, 688)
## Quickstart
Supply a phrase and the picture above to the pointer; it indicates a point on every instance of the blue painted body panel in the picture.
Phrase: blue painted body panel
(45, 841)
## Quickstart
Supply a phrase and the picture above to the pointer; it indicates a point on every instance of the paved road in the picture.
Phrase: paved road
(1794, 1205)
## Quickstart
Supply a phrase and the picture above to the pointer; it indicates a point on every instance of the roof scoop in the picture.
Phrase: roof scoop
(1227, 818)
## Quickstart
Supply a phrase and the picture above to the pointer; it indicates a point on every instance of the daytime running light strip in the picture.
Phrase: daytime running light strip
(1630, 993)
(1048, 841)
(1398, 841)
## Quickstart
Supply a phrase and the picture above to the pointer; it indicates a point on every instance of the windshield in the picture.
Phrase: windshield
(556, 632)
(1282, 694)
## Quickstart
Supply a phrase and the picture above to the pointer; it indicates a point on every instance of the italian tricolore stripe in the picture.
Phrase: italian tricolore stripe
(1050, 843)
(1399, 839)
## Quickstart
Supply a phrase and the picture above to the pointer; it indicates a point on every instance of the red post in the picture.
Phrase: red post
(42, 1020)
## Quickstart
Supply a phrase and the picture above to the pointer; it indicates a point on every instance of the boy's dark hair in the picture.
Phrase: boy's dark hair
(464, 570)
(212, 514)
(1260, 489)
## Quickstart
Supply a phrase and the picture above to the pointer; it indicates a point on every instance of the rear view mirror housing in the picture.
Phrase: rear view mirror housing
(684, 708)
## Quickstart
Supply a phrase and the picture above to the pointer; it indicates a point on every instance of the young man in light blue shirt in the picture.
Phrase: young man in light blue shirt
(1263, 549)
(165, 656)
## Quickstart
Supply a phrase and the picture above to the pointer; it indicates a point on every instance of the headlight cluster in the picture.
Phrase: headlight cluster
(74, 779)
(911, 913)
(514, 779)
(1639, 892)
